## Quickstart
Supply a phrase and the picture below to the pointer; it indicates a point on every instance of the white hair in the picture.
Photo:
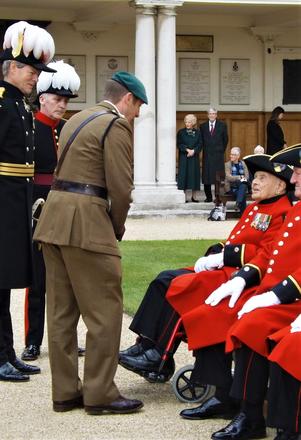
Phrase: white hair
(212, 109)
(258, 149)
(191, 117)
(235, 150)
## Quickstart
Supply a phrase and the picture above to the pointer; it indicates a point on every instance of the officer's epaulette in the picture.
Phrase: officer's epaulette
(2, 91)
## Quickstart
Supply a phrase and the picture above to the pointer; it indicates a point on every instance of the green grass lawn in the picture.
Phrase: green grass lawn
(143, 260)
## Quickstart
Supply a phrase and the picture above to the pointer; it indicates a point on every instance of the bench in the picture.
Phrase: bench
(221, 198)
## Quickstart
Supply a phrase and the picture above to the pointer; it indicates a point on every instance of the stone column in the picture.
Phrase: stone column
(166, 107)
(145, 125)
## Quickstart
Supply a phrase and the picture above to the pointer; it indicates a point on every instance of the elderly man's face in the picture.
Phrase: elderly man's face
(234, 155)
(53, 106)
(265, 186)
(212, 115)
(296, 180)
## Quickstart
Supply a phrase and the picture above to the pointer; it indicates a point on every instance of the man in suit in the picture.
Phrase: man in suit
(214, 140)
(90, 197)
(21, 69)
(54, 91)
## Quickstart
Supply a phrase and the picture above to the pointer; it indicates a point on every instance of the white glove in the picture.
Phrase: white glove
(296, 325)
(211, 262)
(266, 299)
(231, 288)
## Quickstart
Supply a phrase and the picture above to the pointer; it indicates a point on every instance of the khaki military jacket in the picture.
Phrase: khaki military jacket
(89, 222)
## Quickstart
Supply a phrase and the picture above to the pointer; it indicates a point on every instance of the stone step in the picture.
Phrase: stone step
(201, 210)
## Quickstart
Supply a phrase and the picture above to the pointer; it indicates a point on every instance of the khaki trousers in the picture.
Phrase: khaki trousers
(79, 282)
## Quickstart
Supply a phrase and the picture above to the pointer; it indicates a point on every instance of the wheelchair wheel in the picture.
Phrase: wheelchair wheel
(185, 390)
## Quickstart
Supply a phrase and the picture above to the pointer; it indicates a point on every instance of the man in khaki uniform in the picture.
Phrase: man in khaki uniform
(82, 220)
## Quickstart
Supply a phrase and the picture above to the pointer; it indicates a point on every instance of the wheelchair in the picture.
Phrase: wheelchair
(183, 387)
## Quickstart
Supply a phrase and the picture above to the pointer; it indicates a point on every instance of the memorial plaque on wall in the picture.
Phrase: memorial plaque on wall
(79, 64)
(105, 68)
(234, 81)
(194, 81)
(194, 43)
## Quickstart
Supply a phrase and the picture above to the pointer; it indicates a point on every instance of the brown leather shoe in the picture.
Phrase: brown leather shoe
(68, 405)
(122, 405)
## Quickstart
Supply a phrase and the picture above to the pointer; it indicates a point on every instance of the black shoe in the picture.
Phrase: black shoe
(283, 434)
(68, 405)
(25, 368)
(194, 200)
(148, 360)
(121, 405)
(207, 200)
(210, 409)
(164, 375)
(9, 373)
(31, 353)
(240, 428)
(81, 351)
(133, 350)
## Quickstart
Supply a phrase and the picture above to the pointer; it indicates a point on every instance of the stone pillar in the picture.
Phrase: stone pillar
(154, 168)
(145, 125)
(166, 106)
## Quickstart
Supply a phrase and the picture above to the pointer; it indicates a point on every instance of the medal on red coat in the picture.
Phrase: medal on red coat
(261, 222)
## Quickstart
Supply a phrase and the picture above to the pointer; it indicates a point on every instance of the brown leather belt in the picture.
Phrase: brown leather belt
(79, 188)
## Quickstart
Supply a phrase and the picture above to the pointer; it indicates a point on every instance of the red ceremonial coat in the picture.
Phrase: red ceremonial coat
(287, 352)
(206, 325)
(283, 277)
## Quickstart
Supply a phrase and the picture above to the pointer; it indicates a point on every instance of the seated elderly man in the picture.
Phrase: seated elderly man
(237, 179)
(273, 306)
(155, 319)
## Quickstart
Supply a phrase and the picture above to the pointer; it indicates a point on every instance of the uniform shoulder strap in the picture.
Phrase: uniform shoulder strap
(78, 129)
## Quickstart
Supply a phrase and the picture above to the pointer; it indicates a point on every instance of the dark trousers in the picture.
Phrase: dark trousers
(35, 295)
(155, 318)
(240, 193)
(213, 366)
(35, 300)
(251, 374)
(284, 400)
(208, 192)
(7, 352)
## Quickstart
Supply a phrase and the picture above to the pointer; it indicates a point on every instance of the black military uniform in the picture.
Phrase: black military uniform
(47, 132)
(16, 177)
(16, 183)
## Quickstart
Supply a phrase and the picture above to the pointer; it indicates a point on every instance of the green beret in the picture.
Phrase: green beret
(132, 83)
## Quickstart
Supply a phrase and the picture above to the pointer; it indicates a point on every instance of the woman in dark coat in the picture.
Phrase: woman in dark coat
(189, 145)
(275, 137)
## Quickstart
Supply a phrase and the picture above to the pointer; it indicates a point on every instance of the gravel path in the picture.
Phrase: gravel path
(25, 409)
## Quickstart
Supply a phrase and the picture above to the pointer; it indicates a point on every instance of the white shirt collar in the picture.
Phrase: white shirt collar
(113, 105)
